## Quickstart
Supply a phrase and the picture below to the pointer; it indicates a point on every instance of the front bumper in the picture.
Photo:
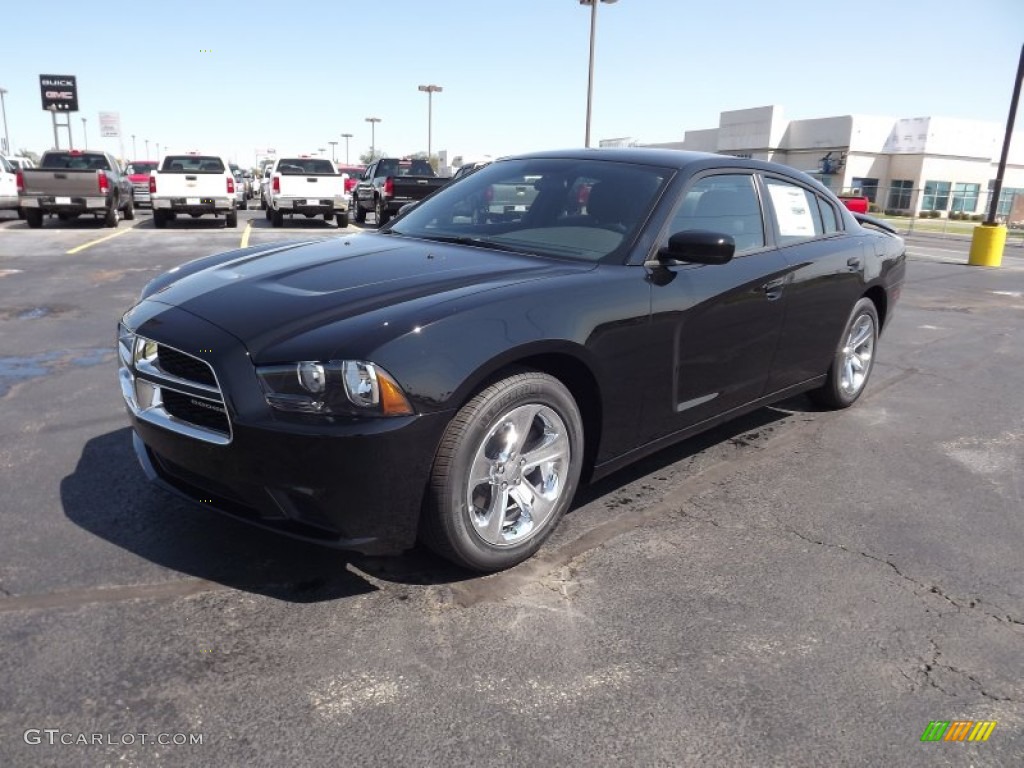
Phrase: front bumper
(352, 484)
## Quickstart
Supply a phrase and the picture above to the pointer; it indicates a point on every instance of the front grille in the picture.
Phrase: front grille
(196, 410)
(184, 366)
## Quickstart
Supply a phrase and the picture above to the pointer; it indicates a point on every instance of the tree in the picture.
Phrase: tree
(29, 154)
(366, 158)
(434, 160)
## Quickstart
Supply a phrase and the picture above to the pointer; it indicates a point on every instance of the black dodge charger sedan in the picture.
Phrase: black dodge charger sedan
(454, 375)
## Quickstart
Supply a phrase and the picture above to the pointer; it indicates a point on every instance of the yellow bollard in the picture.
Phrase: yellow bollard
(987, 245)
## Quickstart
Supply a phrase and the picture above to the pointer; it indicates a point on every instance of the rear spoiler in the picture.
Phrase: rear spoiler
(871, 221)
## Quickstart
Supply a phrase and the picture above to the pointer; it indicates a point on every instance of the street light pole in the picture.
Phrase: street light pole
(135, 152)
(590, 72)
(147, 149)
(373, 136)
(430, 90)
(333, 145)
(3, 108)
(346, 137)
(85, 135)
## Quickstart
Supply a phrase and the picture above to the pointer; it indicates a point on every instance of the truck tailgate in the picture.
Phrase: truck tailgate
(416, 187)
(63, 183)
(191, 185)
(319, 187)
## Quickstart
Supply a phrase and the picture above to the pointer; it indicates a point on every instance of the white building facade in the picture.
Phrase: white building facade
(937, 166)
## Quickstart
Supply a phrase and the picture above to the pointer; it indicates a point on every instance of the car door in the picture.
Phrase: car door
(363, 189)
(8, 184)
(825, 282)
(718, 324)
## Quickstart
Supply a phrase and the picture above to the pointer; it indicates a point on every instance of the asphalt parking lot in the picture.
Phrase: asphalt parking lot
(798, 588)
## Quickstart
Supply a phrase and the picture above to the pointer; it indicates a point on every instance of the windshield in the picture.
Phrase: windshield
(578, 209)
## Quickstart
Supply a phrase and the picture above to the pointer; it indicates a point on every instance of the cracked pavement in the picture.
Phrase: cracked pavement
(797, 588)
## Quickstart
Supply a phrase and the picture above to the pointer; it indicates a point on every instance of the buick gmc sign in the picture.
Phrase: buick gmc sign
(59, 92)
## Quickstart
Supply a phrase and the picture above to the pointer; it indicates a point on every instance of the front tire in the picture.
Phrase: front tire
(853, 361)
(505, 473)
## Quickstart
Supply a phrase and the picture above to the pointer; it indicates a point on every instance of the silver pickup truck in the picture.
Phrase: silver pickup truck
(69, 183)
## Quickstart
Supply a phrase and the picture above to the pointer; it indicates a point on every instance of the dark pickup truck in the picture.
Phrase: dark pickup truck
(390, 183)
(73, 182)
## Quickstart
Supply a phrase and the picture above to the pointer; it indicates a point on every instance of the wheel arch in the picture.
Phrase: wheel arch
(881, 301)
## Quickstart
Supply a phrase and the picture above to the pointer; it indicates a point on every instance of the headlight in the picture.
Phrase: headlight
(125, 345)
(333, 388)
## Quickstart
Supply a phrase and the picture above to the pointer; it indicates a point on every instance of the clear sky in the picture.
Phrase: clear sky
(294, 76)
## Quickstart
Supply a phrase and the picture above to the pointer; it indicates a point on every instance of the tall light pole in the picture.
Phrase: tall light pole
(147, 149)
(158, 150)
(3, 108)
(333, 145)
(590, 75)
(373, 136)
(346, 137)
(430, 90)
(135, 152)
(85, 136)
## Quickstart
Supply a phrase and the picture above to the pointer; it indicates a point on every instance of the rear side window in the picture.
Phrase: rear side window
(829, 220)
(726, 204)
(305, 166)
(192, 164)
(796, 212)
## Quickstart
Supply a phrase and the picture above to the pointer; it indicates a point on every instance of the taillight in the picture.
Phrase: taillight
(21, 181)
(103, 181)
(231, 186)
(276, 183)
(389, 186)
(152, 185)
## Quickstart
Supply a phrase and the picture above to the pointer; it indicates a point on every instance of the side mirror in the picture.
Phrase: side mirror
(699, 246)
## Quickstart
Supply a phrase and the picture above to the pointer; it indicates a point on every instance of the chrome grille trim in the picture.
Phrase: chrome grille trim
(143, 383)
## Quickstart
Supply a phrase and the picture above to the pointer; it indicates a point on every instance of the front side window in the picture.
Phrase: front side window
(559, 207)
(796, 212)
(936, 196)
(728, 204)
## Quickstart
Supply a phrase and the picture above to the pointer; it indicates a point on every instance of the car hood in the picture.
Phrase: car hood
(267, 298)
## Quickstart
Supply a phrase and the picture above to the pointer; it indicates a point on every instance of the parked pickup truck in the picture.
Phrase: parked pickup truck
(390, 183)
(309, 186)
(138, 172)
(856, 203)
(73, 182)
(193, 184)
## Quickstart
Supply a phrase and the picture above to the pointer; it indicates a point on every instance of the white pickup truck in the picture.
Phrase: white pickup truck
(310, 186)
(193, 184)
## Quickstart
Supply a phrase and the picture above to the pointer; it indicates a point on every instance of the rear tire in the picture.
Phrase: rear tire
(277, 219)
(34, 217)
(244, 205)
(381, 211)
(263, 203)
(342, 220)
(360, 214)
(505, 473)
(231, 220)
(328, 217)
(853, 361)
(159, 219)
(113, 215)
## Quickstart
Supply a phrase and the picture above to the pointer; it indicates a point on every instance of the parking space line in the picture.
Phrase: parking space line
(91, 243)
(245, 235)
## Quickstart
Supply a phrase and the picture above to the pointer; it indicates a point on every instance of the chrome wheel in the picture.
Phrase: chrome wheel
(856, 355)
(518, 475)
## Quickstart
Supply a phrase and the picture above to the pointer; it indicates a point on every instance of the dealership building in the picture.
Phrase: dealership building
(903, 165)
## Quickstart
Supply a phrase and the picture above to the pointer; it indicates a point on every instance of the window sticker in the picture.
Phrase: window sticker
(791, 211)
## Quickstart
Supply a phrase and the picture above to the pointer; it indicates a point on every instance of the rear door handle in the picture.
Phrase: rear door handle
(773, 288)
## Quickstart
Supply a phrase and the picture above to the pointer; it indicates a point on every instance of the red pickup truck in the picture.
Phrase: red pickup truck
(856, 203)
(138, 174)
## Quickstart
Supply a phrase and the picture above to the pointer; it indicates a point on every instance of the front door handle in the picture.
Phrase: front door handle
(854, 262)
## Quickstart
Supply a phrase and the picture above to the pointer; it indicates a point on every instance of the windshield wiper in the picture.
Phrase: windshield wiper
(477, 241)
